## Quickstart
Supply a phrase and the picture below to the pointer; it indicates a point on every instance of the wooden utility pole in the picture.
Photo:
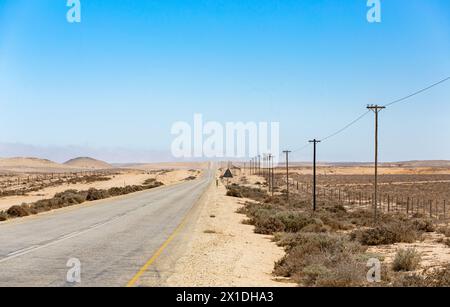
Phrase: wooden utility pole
(259, 165)
(376, 109)
(314, 174)
(273, 176)
(270, 174)
(287, 152)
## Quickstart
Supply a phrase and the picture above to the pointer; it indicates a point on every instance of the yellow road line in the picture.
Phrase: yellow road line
(145, 267)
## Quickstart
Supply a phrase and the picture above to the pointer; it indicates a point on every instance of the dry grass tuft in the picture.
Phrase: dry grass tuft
(406, 260)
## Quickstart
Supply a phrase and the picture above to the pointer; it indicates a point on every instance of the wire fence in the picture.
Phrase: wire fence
(435, 208)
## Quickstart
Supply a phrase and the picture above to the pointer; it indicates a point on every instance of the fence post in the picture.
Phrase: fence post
(431, 209)
(445, 215)
(407, 207)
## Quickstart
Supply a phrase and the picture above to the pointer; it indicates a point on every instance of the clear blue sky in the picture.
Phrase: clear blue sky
(131, 68)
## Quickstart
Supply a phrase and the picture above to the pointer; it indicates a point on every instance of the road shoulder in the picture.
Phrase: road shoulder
(221, 251)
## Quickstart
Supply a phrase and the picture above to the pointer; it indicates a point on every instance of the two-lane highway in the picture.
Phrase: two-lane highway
(113, 238)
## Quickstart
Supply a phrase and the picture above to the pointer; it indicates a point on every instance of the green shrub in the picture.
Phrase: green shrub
(406, 260)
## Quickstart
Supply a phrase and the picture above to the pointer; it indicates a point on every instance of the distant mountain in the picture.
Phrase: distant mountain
(89, 163)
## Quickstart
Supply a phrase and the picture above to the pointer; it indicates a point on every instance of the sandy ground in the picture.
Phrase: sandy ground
(434, 255)
(131, 178)
(225, 252)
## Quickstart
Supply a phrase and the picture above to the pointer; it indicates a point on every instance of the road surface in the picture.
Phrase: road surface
(115, 240)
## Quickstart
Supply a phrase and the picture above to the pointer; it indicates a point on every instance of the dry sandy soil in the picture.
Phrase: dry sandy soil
(225, 252)
(434, 255)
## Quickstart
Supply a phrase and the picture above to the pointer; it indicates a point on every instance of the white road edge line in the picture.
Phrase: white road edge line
(34, 248)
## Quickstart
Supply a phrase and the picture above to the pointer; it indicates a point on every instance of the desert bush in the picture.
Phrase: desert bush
(386, 234)
(3, 216)
(321, 260)
(94, 194)
(153, 183)
(423, 225)
(17, 211)
(149, 181)
(71, 197)
(445, 231)
(445, 241)
(406, 260)
(431, 278)
(295, 222)
(236, 190)
(234, 193)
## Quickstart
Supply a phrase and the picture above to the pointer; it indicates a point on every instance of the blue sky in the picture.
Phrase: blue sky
(130, 69)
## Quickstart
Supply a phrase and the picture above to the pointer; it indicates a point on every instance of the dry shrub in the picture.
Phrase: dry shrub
(431, 278)
(423, 225)
(153, 183)
(386, 234)
(18, 211)
(406, 260)
(393, 230)
(321, 260)
(94, 194)
(445, 231)
(3, 216)
(236, 190)
(234, 193)
(70, 198)
(268, 219)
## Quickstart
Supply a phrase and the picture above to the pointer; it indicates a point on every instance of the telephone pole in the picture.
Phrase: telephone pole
(287, 152)
(314, 174)
(270, 174)
(259, 165)
(376, 109)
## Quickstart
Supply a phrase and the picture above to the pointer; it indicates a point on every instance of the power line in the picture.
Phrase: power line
(345, 127)
(386, 105)
(418, 92)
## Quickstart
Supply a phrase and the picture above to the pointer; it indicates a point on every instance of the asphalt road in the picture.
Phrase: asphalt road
(113, 239)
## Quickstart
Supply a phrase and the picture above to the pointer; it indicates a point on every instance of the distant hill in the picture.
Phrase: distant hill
(89, 163)
(430, 163)
(23, 164)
